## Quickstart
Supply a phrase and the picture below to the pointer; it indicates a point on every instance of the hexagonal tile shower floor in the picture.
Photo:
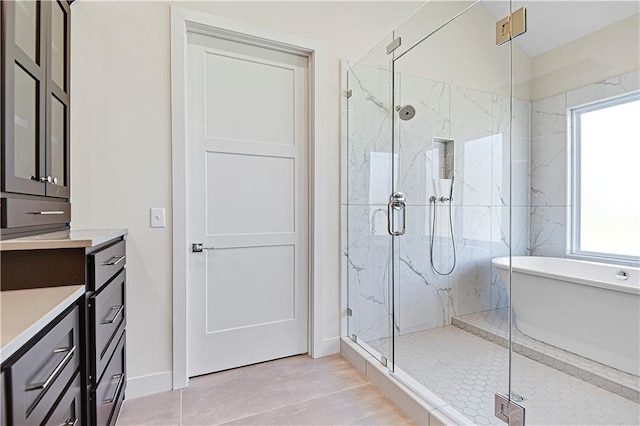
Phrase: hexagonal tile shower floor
(494, 325)
(466, 370)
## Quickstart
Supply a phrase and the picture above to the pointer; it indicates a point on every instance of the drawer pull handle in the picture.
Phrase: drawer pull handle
(70, 422)
(56, 371)
(120, 378)
(119, 308)
(114, 260)
(47, 212)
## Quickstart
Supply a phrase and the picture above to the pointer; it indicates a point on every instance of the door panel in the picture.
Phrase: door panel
(24, 81)
(58, 82)
(452, 159)
(259, 205)
(26, 30)
(268, 264)
(247, 148)
(267, 118)
(26, 124)
(58, 138)
(58, 44)
(567, 337)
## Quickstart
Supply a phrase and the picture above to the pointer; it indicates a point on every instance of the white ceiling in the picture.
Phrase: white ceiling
(551, 24)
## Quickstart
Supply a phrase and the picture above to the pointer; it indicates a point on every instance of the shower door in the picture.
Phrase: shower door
(453, 168)
(368, 170)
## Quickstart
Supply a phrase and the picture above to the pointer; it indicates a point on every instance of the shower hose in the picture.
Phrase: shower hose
(434, 201)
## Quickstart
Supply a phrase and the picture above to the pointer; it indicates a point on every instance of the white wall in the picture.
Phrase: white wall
(121, 137)
(607, 53)
(463, 53)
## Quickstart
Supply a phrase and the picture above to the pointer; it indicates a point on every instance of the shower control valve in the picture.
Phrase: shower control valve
(443, 199)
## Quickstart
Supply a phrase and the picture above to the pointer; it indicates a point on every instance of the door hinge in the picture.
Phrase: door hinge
(511, 26)
(384, 360)
(354, 338)
(349, 312)
(508, 411)
(394, 45)
(349, 93)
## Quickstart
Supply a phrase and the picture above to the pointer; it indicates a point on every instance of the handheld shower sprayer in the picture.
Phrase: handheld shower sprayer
(433, 200)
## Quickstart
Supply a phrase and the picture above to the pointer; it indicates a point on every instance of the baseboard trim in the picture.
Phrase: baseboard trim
(330, 346)
(151, 384)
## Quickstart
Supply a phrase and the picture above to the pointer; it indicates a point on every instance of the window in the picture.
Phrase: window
(605, 166)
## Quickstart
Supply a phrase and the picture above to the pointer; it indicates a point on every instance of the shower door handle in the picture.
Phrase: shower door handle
(397, 204)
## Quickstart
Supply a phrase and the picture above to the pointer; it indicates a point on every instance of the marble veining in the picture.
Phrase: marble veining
(533, 144)
(549, 160)
(369, 136)
(510, 197)
(478, 123)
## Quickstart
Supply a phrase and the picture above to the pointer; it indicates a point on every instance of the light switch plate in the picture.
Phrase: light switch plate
(158, 217)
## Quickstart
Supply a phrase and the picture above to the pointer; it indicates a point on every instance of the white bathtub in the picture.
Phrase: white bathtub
(578, 306)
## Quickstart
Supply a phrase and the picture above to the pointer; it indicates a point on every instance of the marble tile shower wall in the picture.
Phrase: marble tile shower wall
(549, 161)
(478, 123)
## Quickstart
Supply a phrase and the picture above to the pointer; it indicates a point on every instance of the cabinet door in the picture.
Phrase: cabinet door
(58, 124)
(24, 70)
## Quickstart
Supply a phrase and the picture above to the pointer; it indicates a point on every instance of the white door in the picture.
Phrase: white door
(247, 174)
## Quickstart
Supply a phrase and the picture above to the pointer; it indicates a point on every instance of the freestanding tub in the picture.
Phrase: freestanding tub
(583, 307)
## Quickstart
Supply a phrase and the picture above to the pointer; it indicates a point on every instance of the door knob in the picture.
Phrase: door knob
(198, 247)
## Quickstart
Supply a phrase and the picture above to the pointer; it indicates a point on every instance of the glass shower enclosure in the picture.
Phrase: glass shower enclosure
(454, 169)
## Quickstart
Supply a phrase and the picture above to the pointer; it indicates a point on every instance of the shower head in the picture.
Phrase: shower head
(406, 112)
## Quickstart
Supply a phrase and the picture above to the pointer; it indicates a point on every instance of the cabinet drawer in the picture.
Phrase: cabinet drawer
(68, 411)
(39, 376)
(3, 404)
(105, 263)
(18, 212)
(108, 315)
(116, 406)
(110, 389)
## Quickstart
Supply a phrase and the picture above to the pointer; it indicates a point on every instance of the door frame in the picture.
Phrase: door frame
(182, 21)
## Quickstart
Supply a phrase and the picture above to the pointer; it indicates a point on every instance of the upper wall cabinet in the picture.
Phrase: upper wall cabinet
(35, 95)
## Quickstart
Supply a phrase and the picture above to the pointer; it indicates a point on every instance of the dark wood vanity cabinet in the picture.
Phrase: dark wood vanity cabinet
(44, 378)
(73, 372)
(106, 303)
(35, 152)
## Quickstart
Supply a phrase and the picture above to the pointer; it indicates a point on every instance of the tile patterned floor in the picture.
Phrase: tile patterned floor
(466, 370)
(291, 391)
(493, 326)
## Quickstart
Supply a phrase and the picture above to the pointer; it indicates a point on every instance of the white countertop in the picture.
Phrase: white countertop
(23, 313)
(73, 238)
